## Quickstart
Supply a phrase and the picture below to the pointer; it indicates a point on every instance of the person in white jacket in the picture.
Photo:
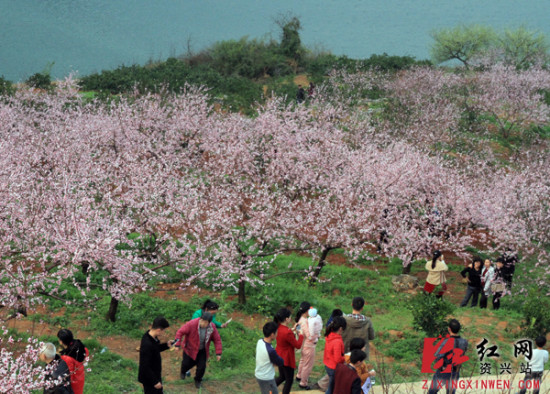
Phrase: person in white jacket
(487, 276)
(436, 274)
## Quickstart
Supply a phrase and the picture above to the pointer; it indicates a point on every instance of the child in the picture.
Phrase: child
(362, 369)
(315, 323)
(266, 358)
(539, 358)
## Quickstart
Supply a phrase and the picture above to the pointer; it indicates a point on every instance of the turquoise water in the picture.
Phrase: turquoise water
(91, 35)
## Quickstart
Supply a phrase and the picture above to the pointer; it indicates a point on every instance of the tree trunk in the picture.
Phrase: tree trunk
(322, 262)
(21, 310)
(85, 266)
(241, 293)
(406, 269)
(111, 315)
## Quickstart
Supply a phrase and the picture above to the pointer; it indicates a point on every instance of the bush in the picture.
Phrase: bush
(248, 58)
(6, 87)
(40, 81)
(430, 314)
(536, 315)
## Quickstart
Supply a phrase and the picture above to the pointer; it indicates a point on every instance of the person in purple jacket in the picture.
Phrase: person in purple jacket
(266, 359)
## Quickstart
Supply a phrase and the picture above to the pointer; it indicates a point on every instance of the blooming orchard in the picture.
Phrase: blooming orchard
(127, 188)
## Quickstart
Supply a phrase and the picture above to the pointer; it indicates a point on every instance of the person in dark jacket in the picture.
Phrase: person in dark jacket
(150, 362)
(509, 260)
(346, 380)
(473, 290)
(74, 353)
(442, 378)
(60, 374)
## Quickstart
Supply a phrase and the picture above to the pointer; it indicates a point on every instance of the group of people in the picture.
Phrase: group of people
(194, 337)
(67, 372)
(482, 278)
(346, 350)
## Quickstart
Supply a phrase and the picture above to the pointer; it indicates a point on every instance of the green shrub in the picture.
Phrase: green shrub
(536, 315)
(430, 314)
(6, 87)
(40, 81)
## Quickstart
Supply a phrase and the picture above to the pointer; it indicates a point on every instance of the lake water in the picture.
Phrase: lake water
(91, 35)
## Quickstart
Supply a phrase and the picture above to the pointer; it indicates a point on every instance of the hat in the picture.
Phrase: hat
(312, 312)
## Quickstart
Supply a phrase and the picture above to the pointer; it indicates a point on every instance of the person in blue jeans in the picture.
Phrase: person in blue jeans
(445, 379)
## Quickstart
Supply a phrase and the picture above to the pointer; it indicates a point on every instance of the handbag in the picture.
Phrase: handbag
(498, 287)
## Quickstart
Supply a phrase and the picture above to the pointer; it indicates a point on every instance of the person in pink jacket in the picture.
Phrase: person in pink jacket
(195, 337)
(311, 325)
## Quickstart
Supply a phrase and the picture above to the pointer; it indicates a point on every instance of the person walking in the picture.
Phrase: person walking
(150, 361)
(58, 379)
(310, 328)
(487, 274)
(443, 379)
(266, 358)
(287, 343)
(436, 274)
(358, 326)
(473, 270)
(74, 354)
(334, 349)
(195, 337)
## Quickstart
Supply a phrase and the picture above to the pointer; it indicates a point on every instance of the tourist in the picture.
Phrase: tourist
(358, 325)
(539, 358)
(498, 286)
(58, 380)
(346, 380)
(300, 94)
(473, 270)
(443, 379)
(334, 349)
(436, 274)
(310, 324)
(266, 358)
(362, 369)
(335, 313)
(74, 354)
(213, 308)
(288, 340)
(509, 260)
(150, 362)
(195, 337)
(311, 90)
(487, 274)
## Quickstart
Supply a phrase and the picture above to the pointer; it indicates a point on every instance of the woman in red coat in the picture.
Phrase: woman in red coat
(74, 354)
(334, 348)
(286, 348)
